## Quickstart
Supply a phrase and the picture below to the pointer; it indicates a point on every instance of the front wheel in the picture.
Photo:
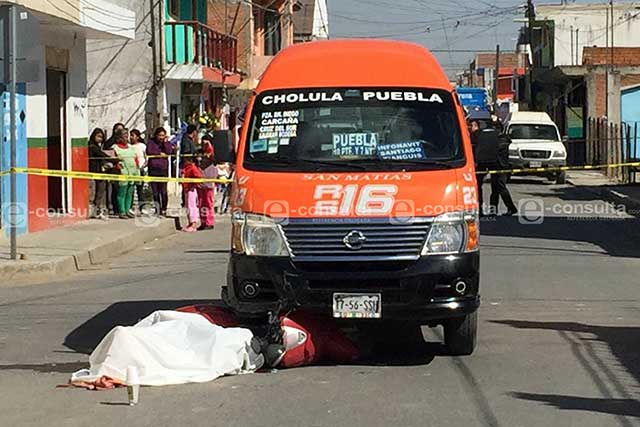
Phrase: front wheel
(460, 334)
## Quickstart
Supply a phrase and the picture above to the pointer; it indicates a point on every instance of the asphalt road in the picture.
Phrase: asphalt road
(559, 338)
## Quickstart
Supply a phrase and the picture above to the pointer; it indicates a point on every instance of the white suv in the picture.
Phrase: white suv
(535, 142)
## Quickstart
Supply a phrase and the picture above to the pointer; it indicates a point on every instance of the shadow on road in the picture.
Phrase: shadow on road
(582, 193)
(87, 336)
(620, 407)
(614, 236)
(585, 342)
(46, 368)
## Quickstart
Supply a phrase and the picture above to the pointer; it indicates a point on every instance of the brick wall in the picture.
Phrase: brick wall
(241, 29)
(602, 56)
(601, 101)
(601, 87)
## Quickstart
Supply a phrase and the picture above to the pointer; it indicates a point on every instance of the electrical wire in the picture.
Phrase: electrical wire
(82, 13)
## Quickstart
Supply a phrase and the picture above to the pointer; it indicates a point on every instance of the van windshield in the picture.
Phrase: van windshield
(531, 131)
(346, 129)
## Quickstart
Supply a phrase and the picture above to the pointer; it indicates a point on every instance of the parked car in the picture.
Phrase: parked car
(536, 143)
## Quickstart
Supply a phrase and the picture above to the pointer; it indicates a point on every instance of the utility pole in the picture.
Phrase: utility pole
(496, 78)
(155, 121)
(13, 213)
(606, 69)
(612, 28)
(531, 15)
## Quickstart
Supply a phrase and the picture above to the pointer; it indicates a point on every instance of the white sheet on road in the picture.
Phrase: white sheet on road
(170, 347)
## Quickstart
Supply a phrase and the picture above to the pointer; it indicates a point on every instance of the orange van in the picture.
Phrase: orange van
(355, 191)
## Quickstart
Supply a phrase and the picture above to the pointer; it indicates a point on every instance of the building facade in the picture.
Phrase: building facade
(52, 108)
(177, 68)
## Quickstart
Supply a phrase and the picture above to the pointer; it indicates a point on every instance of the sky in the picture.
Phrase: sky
(436, 24)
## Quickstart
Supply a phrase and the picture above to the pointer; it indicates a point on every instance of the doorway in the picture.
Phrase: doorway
(57, 148)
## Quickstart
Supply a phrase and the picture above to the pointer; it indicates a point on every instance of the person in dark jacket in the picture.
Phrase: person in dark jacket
(159, 149)
(98, 161)
(188, 145)
(491, 152)
(499, 181)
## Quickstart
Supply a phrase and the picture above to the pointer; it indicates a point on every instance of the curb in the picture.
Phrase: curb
(32, 272)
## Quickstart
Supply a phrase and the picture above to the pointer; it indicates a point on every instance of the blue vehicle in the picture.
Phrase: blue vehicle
(473, 98)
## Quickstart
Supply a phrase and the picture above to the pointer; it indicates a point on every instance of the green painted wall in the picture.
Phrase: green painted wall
(37, 142)
(42, 142)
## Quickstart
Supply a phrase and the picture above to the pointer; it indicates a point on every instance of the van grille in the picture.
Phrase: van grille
(535, 154)
(372, 239)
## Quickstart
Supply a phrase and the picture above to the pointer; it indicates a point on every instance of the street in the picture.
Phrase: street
(559, 337)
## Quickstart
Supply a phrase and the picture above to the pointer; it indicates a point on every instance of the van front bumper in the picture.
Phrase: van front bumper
(415, 290)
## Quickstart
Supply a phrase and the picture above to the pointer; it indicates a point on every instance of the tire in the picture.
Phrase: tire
(460, 334)
(561, 178)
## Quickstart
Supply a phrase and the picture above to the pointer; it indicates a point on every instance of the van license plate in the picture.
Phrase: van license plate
(535, 164)
(357, 306)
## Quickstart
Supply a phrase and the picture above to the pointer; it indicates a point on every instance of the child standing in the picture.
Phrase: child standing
(206, 193)
(190, 170)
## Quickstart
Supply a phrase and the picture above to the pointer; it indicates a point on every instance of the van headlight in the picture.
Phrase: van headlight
(257, 235)
(559, 154)
(513, 151)
(452, 233)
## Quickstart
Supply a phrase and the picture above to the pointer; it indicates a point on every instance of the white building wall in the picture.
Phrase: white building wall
(591, 21)
(120, 75)
(75, 44)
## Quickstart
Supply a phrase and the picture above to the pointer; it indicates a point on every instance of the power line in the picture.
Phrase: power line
(82, 13)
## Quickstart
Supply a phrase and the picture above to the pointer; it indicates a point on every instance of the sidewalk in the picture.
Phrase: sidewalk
(61, 251)
(596, 182)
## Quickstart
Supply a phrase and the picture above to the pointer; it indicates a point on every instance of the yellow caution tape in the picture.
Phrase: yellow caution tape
(111, 177)
(558, 168)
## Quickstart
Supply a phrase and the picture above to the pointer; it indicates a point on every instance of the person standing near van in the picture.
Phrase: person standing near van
(190, 191)
(159, 149)
(128, 166)
(97, 161)
(499, 180)
(140, 149)
(206, 192)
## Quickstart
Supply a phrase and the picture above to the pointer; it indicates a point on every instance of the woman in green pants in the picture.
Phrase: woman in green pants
(128, 166)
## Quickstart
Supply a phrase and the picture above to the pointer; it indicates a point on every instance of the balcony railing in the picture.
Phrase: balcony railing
(191, 42)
